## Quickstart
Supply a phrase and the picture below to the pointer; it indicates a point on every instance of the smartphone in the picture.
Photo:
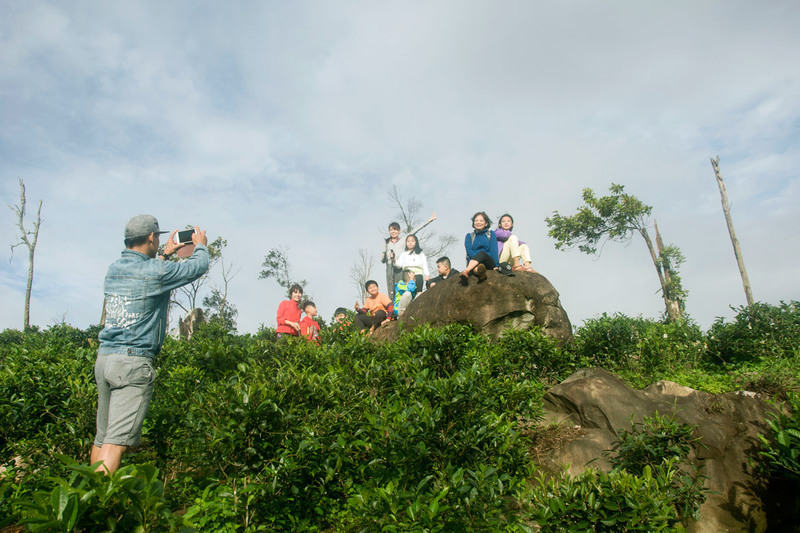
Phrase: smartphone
(185, 236)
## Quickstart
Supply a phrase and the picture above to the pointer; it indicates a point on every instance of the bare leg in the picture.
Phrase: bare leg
(110, 454)
(94, 455)
(472, 264)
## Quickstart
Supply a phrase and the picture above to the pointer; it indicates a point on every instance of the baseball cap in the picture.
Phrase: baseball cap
(142, 225)
(506, 268)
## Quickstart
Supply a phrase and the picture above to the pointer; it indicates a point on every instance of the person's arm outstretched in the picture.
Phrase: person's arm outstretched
(419, 228)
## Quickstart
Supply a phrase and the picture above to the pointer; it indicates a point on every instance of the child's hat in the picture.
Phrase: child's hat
(505, 268)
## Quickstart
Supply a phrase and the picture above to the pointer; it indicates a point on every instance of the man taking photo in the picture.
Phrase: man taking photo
(137, 290)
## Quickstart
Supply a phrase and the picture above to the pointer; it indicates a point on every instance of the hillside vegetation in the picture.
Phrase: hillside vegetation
(431, 433)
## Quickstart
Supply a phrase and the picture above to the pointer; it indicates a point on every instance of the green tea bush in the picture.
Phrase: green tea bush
(9, 492)
(651, 487)
(781, 453)
(456, 500)
(423, 434)
(47, 404)
(129, 500)
(596, 501)
(637, 346)
(439, 349)
(758, 331)
(656, 439)
(531, 354)
(224, 509)
(780, 463)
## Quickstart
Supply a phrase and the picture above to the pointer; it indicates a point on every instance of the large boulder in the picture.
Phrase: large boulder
(600, 404)
(501, 302)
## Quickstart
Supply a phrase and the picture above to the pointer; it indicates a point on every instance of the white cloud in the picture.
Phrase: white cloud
(287, 124)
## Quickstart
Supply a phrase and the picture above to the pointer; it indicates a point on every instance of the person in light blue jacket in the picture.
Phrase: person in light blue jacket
(137, 290)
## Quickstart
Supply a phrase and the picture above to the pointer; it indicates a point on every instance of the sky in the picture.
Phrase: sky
(287, 124)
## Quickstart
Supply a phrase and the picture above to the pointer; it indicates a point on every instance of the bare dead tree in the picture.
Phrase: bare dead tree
(219, 308)
(29, 239)
(737, 249)
(186, 297)
(360, 272)
(409, 211)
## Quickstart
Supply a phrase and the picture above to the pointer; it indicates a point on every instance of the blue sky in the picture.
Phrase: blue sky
(287, 124)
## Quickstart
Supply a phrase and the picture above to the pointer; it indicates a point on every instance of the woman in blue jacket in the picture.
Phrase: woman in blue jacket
(481, 247)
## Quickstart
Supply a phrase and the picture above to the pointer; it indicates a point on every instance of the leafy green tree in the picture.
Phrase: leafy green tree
(617, 217)
(276, 265)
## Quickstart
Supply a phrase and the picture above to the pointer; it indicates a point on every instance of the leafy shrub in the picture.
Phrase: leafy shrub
(651, 487)
(609, 502)
(608, 341)
(781, 452)
(224, 509)
(533, 355)
(423, 434)
(653, 441)
(657, 440)
(638, 347)
(780, 462)
(440, 349)
(47, 405)
(131, 499)
(454, 500)
(758, 331)
(9, 491)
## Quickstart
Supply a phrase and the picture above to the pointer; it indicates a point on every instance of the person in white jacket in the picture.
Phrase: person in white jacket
(415, 261)
(392, 248)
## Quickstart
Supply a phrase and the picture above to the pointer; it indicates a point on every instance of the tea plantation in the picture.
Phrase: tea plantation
(431, 433)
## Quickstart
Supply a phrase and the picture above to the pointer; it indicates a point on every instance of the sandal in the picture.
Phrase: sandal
(519, 268)
(529, 269)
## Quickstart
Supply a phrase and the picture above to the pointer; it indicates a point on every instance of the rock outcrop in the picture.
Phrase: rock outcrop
(501, 302)
(600, 404)
(188, 326)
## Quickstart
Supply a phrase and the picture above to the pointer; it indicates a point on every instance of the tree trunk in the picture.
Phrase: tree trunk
(28, 289)
(31, 244)
(673, 306)
(673, 310)
(737, 250)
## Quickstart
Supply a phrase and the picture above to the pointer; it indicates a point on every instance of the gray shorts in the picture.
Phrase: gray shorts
(124, 388)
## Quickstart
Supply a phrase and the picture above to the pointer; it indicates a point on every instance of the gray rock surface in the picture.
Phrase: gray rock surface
(501, 302)
(728, 424)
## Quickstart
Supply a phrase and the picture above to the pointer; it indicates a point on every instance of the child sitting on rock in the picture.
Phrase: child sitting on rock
(510, 248)
(404, 291)
(376, 308)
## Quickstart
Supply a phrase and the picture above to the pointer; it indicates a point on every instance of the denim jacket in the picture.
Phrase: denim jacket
(137, 290)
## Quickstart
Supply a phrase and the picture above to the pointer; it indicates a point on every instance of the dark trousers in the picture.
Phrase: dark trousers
(367, 321)
(419, 279)
(485, 259)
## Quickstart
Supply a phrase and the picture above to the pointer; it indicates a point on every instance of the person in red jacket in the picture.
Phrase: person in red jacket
(289, 313)
(309, 328)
